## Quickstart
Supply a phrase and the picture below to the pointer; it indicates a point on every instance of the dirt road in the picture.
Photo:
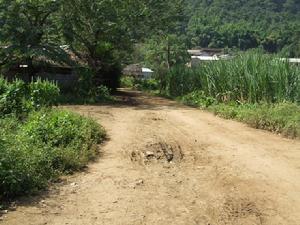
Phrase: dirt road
(170, 164)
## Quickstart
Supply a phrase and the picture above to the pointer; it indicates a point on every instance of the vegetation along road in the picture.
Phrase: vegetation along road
(165, 163)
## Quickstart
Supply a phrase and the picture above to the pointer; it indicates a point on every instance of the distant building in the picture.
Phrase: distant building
(147, 73)
(206, 55)
(62, 73)
(292, 60)
(138, 72)
(206, 52)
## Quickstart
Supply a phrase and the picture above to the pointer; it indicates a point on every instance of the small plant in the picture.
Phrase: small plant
(43, 94)
(13, 99)
(19, 98)
(199, 99)
(3, 85)
(147, 84)
(127, 82)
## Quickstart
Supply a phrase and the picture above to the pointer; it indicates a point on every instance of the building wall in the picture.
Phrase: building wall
(63, 80)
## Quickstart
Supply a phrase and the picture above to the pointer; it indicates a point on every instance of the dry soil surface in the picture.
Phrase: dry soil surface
(165, 163)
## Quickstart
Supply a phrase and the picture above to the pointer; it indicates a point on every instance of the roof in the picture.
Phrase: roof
(291, 60)
(205, 51)
(133, 69)
(206, 58)
(294, 60)
(147, 70)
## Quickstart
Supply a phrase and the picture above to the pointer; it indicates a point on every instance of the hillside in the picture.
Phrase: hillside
(244, 24)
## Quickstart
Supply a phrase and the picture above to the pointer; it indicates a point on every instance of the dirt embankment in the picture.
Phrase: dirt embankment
(170, 164)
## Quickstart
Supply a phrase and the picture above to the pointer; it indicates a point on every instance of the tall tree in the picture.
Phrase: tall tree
(29, 31)
(98, 30)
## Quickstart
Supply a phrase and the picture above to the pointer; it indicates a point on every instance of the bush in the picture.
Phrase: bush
(46, 144)
(147, 84)
(13, 99)
(3, 85)
(199, 99)
(71, 135)
(127, 82)
(43, 94)
(19, 98)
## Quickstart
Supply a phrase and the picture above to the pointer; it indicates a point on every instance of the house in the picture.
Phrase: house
(206, 55)
(61, 72)
(138, 72)
(147, 73)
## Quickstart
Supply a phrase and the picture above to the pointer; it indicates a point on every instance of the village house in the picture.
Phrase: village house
(138, 72)
(206, 55)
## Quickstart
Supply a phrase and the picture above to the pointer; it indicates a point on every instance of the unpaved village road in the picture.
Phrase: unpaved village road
(167, 164)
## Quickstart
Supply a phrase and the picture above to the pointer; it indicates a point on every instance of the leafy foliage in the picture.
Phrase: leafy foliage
(13, 100)
(198, 99)
(43, 94)
(46, 144)
(27, 32)
(19, 98)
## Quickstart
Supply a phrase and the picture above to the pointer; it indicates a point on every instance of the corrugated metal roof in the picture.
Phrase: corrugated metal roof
(294, 60)
(147, 70)
(291, 60)
(206, 58)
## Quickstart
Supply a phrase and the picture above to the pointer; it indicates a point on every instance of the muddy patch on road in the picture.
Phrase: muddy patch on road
(158, 152)
(240, 211)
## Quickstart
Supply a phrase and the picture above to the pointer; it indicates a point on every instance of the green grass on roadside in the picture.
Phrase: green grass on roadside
(46, 144)
(281, 118)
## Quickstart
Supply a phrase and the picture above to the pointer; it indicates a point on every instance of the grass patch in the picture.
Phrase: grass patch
(47, 144)
(281, 118)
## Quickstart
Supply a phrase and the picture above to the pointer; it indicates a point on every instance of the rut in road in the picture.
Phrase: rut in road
(169, 164)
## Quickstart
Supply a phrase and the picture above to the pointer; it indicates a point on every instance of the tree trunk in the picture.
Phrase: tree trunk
(168, 53)
(30, 69)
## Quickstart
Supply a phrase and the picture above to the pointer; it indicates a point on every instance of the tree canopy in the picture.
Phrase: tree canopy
(103, 33)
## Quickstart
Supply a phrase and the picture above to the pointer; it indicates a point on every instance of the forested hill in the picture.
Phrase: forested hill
(271, 24)
(249, 9)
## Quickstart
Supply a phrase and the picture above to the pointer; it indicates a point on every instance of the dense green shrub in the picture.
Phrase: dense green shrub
(3, 85)
(140, 84)
(146, 84)
(19, 98)
(13, 99)
(43, 93)
(46, 144)
(127, 82)
(199, 99)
